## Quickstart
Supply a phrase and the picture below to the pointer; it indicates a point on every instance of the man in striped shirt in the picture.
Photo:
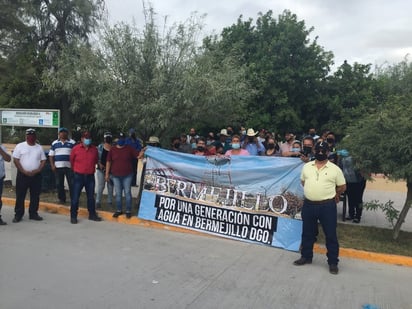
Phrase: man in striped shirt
(59, 157)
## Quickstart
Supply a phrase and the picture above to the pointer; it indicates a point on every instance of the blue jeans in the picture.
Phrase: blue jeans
(123, 183)
(79, 181)
(101, 183)
(327, 216)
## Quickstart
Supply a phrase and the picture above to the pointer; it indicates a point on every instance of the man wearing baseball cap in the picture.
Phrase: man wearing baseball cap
(83, 160)
(29, 158)
(323, 183)
(59, 157)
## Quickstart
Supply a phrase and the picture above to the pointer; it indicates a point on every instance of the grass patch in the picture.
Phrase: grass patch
(372, 239)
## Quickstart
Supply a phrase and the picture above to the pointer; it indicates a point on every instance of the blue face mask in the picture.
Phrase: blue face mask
(194, 145)
(121, 142)
(295, 149)
(87, 141)
(236, 146)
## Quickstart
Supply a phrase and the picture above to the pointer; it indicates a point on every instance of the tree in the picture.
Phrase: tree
(283, 65)
(156, 83)
(351, 93)
(44, 28)
(380, 141)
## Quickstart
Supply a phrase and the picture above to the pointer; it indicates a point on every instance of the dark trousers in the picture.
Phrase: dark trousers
(354, 191)
(60, 174)
(134, 178)
(327, 216)
(87, 182)
(1, 191)
(24, 183)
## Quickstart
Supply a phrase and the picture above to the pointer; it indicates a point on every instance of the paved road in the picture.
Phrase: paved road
(54, 264)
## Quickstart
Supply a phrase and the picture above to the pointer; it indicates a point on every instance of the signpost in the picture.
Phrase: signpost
(44, 118)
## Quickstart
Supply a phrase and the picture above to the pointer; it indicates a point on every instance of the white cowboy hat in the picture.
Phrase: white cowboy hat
(223, 132)
(251, 132)
(153, 140)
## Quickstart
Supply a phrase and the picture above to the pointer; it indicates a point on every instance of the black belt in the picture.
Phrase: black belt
(319, 202)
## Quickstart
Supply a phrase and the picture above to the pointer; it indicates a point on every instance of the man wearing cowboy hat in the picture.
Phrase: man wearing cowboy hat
(153, 141)
(224, 141)
(252, 144)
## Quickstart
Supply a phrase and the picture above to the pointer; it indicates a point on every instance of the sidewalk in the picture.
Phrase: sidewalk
(55, 264)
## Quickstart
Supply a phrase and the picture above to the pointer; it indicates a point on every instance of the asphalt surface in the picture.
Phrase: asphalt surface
(54, 264)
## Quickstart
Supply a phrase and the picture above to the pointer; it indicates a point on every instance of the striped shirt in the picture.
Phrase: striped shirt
(61, 152)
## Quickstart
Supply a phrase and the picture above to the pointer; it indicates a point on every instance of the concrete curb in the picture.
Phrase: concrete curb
(107, 216)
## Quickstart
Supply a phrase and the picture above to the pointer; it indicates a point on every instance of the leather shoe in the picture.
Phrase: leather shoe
(73, 220)
(128, 215)
(36, 218)
(356, 220)
(117, 213)
(16, 219)
(2, 222)
(333, 269)
(95, 218)
(302, 261)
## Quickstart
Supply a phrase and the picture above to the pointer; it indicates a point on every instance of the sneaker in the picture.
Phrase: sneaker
(356, 220)
(128, 215)
(333, 269)
(349, 218)
(302, 261)
(73, 220)
(117, 213)
(36, 217)
(17, 219)
(2, 222)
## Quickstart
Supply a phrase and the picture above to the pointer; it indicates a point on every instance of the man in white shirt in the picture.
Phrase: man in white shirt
(29, 159)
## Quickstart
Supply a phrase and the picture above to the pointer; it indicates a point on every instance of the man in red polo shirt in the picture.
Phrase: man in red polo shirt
(83, 159)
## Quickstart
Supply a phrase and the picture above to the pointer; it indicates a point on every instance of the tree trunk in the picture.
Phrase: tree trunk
(404, 211)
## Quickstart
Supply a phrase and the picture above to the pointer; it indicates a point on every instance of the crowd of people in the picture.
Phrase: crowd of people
(113, 163)
(328, 173)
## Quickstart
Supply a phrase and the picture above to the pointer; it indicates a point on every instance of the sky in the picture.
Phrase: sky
(378, 32)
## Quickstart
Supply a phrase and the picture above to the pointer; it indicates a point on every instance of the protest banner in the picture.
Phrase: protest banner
(248, 198)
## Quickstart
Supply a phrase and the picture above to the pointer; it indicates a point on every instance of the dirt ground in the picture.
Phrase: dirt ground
(381, 183)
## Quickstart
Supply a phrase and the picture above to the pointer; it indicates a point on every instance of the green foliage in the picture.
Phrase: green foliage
(158, 84)
(391, 213)
(284, 67)
(32, 37)
(351, 92)
(380, 140)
